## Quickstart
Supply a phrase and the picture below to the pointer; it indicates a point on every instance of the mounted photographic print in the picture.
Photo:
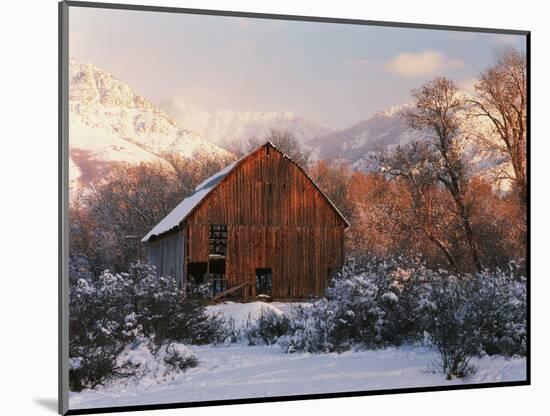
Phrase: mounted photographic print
(266, 207)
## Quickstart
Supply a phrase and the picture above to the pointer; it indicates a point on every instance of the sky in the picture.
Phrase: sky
(335, 74)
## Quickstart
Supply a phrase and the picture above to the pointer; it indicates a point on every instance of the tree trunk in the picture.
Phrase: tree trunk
(465, 217)
(444, 249)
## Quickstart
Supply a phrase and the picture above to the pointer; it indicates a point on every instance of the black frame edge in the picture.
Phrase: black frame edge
(528, 218)
(384, 392)
(320, 19)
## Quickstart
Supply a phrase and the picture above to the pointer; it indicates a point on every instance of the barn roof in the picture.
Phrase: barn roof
(185, 207)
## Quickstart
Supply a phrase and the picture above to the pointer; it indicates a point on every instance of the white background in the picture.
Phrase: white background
(28, 205)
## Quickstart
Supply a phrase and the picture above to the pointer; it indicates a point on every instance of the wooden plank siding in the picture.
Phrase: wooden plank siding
(166, 254)
(276, 218)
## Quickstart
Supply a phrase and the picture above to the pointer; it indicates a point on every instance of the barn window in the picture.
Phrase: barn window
(264, 279)
(217, 241)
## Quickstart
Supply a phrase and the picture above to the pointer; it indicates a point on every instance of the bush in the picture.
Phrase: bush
(451, 321)
(142, 359)
(114, 311)
(267, 329)
(373, 304)
(368, 305)
(309, 329)
(474, 314)
(501, 301)
(163, 313)
(179, 357)
(100, 325)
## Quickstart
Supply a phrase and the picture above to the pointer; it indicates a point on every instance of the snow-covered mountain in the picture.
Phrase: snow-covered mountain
(383, 131)
(110, 122)
(230, 129)
(387, 129)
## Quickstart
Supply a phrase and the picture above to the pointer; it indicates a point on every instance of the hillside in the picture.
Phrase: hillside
(110, 122)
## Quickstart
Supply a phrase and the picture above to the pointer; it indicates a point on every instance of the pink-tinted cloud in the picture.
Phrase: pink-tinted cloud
(428, 62)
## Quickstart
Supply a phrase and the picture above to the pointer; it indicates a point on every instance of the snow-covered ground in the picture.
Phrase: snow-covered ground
(242, 371)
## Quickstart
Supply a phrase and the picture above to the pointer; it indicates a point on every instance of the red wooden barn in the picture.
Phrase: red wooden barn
(259, 227)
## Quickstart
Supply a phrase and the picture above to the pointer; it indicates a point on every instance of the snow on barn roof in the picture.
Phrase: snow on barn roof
(184, 208)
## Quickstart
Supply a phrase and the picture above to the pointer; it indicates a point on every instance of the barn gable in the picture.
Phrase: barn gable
(204, 189)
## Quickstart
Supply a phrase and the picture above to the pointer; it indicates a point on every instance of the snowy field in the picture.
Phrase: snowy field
(242, 371)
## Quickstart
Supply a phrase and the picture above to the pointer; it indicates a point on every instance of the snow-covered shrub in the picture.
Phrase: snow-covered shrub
(165, 315)
(369, 304)
(309, 329)
(355, 313)
(400, 282)
(100, 325)
(79, 268)
(142, 359)
(501, 301)
(116, 310)
(373, 304)
(267, 328)
(179, 357)
(228, 331)
(137, 359)
(474, 314)
(450, 320)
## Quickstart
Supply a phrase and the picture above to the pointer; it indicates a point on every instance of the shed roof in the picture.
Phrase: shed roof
(185, 207)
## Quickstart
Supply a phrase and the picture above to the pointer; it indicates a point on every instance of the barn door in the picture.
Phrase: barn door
(264, 279)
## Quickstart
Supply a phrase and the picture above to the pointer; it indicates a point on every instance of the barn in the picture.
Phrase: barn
(258, 228)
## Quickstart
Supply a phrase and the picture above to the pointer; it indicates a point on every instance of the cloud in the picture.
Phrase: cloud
(355, 64)
(428, 62)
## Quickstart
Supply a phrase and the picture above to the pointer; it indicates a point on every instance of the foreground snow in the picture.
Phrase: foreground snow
(241, 371)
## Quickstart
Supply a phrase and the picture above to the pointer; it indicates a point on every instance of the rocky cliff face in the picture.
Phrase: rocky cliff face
(110, 122)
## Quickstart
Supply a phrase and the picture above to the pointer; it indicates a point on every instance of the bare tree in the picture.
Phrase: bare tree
(286, 142)
(429, 211)
(438, 114)
(333, 179)
(189, 171)
(502, 98)
(113, 214)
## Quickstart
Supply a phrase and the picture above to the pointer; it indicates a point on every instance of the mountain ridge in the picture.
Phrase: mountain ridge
(111, 122)
(230, 129)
